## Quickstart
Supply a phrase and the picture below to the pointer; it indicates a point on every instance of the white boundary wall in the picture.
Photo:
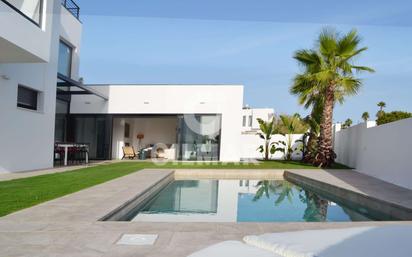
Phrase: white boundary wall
(382, 151)
(250, 142)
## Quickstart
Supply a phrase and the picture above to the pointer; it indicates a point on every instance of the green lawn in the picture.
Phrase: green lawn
(26, 192)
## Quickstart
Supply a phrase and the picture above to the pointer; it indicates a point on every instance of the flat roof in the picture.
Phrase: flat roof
(185, 84)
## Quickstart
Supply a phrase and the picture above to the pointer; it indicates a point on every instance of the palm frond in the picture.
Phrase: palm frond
(362, 68)
(309, 59)
(355, 52)
(328, 42)
(350, 85)
(348, 43)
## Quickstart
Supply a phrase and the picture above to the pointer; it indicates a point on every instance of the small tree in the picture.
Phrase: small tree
(291, 125)
(392, 116)
(267, 129)
(347, 123)
(365, 116)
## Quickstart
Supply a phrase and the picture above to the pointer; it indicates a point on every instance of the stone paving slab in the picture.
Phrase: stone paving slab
(33, 173)
(68, 226)
(229, 174)
(361, 184)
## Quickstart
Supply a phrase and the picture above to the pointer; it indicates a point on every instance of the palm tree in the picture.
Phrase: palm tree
(365, 116)
(329, 71)
(381, 105)
(267, 129)
(316, 207)
(313, 121)
(290, 125)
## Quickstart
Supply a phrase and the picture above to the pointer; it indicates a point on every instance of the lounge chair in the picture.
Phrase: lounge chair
(232, 248)
(128, 152)
(385, 241)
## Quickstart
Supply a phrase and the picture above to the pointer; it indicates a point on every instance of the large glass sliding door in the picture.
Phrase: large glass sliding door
(199, 137)
(95, 130)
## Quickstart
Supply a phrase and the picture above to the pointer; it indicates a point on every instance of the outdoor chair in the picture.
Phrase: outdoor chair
(128, 152)
(58, 154)
(74, 155)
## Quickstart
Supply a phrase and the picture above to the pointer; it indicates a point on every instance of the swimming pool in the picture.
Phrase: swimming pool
(245, 201)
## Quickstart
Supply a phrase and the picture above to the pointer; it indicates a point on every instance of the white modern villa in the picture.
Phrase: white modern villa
(217, 177)
(43, 100)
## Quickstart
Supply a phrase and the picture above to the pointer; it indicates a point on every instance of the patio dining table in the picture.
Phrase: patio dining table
(66, 147)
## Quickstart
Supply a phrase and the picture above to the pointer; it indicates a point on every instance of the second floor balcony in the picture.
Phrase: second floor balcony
(72, 7)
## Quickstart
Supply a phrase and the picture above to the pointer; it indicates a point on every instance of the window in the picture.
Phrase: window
(31, 10)
(127, 130)
(244, 121)
(65, 59)
(250, 121)
(27, 98)
(62, 110)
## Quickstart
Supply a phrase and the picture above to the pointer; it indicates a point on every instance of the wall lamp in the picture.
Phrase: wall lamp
(5, 77)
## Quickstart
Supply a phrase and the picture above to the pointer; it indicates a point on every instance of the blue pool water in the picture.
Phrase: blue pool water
(245, 201)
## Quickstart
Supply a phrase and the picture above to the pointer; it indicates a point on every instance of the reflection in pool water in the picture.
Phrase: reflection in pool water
(243, 201)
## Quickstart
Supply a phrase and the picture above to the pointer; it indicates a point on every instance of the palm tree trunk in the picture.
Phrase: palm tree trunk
(326, 156)
(312, 142)
(267, 150)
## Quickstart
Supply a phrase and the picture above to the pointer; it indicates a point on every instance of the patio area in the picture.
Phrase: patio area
(69, 226)
(56, 169)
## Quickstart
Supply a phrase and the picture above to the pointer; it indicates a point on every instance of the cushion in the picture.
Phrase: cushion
(355, 242)
(232, 248)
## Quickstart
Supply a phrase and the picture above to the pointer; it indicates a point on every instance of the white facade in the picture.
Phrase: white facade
(225, 100)
(26, 136)
(379, 151)
(24, 41)
(250, 116)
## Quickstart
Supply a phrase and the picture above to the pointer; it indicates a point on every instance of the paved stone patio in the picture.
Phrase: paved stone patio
(68, 226)
(32, 173)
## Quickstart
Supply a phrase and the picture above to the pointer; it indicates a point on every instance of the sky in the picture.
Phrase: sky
(246, 42)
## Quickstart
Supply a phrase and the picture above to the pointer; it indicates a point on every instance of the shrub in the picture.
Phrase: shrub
(290, 124)
(392, 116)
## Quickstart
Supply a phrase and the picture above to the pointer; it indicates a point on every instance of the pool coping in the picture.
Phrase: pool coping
(121, 212)
(386, 206)
(181, 174)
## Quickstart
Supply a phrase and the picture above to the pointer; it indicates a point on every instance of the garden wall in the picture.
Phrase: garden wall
(250, 142)
(382, 151)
